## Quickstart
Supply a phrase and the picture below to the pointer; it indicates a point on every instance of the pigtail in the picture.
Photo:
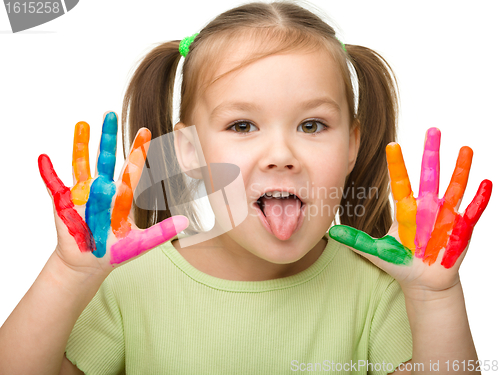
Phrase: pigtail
(368, 184)
(148, 103)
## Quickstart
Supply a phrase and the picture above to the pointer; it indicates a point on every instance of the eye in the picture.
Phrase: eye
(241, 126)
(311, 126)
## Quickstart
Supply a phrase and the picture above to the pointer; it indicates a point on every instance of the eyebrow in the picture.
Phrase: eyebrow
(246, 106)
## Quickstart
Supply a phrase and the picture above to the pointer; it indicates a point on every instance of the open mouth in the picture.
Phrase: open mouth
(261, 201)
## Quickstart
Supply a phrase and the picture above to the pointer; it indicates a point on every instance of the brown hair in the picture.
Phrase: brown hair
(277, 27)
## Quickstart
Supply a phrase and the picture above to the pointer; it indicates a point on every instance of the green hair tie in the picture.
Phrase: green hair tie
(342, 44)
(185, 43)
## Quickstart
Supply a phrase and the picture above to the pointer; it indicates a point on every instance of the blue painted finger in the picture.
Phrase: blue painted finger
(107, 149)
(103, 189)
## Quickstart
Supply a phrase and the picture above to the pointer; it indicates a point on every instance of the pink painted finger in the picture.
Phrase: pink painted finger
(427, 201)
(139, 241)
(464, 225)
(429, 174)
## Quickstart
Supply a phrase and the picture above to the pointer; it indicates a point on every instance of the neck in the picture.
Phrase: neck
(215, 259)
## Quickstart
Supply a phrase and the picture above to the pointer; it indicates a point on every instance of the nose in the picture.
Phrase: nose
(280, 155)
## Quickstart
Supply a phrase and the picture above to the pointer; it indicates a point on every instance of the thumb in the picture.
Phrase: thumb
(139, 241)
(378, 251)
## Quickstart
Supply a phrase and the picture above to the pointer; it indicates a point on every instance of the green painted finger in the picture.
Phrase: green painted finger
(386, 248)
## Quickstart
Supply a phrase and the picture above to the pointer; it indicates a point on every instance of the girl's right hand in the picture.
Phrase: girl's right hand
(95, 233)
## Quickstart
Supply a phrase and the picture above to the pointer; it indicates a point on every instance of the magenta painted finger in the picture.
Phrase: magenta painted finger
(429, 173)
(464, 225)
(139, 241)
(427, 201)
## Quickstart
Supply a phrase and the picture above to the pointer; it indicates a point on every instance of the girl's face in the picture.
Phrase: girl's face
(293, 135)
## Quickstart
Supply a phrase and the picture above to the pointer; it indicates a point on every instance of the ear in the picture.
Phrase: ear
(354, 140)
(185, 150)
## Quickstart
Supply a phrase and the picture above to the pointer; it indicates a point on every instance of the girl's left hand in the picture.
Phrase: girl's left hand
(428, 240)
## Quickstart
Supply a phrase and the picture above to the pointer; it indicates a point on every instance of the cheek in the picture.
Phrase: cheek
(214, 150)
(328, 172)
(222, 152)
(332, 161)
(328, 184)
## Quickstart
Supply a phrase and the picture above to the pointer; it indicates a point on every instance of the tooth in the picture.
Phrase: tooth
(269, 194)
(285, 194)
(276, 194)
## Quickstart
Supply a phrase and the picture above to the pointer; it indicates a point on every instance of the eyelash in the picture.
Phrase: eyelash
(304, 122)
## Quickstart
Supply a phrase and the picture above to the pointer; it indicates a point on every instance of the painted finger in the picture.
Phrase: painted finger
(61, 196)
(459, 179)
(446, 215)
(464, 225)
(386, 248)
(406, 205)
(107, 150)
(81, 167)
(128, 182)
(103, 189)
(428, 202)
(429, 174)
(139, 241)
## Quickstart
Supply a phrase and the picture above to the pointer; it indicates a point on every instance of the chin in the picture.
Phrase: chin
(282, 252)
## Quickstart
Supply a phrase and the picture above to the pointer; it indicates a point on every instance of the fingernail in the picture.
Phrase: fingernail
(180, 223)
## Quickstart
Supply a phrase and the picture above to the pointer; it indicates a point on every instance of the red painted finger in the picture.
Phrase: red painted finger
(64, 205)
(464, 225)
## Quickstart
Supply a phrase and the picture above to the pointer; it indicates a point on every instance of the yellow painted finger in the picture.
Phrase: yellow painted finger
(129, 180)
(406, 205)
(81, 166)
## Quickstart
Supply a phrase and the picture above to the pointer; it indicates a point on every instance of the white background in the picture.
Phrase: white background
(445, 55)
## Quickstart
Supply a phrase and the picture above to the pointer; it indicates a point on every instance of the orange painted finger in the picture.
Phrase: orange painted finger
(406, 205)
(400, 183)
(459, 179)
(129, 180)
(447, 212)
(81, 165)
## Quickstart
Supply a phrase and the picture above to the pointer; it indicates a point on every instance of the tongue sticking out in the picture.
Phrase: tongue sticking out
(282, 215)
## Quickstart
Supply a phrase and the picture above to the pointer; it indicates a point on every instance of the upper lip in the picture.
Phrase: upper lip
(282, 189)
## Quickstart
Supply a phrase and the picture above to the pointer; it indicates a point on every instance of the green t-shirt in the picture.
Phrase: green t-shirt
(160, 315)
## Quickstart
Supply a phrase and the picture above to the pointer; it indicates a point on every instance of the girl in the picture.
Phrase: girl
(268, 88)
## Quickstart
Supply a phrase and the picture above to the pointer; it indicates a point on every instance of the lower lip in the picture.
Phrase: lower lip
(266, 225)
